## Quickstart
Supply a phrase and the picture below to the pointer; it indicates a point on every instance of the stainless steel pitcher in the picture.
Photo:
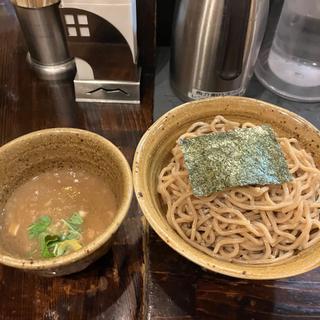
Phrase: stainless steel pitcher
(215, 46)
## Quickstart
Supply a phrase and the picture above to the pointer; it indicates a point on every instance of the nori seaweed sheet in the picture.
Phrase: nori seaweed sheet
(241, 157)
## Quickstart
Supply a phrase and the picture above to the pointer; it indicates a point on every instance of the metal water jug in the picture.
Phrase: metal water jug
(215, 46)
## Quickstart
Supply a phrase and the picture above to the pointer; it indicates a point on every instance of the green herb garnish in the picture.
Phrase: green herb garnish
(74, 226)
(47, 244)
(39, 226)
(53, 243)
(75, 220)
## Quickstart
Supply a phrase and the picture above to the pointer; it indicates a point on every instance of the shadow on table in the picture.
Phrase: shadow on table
(179, 289)
(45, 104)
(110, 288)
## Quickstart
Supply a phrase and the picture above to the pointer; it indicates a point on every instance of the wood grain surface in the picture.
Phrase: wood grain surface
(178, 289)
(112, 287)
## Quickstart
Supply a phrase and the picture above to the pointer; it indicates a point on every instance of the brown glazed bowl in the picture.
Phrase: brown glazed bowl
(153, 153)
(39, 151)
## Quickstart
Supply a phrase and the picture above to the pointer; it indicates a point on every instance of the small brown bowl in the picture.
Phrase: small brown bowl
(39, 151)
(153, 153)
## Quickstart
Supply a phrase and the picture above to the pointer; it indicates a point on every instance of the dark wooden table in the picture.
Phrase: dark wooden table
(112, 288)
(140, 277)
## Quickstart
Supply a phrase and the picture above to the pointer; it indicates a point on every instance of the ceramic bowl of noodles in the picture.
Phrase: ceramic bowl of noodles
(255, 230)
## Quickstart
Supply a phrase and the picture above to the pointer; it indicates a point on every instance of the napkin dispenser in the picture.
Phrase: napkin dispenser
(102, 36)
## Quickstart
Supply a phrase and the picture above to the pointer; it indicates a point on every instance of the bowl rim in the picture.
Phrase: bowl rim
(147, 208)
(64, 261)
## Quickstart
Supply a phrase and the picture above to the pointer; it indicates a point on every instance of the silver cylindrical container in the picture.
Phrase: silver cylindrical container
(46, 41)
(215, 46)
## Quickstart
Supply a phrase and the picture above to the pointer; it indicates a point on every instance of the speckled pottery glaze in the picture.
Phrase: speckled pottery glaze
(153, 153)
(42, 150)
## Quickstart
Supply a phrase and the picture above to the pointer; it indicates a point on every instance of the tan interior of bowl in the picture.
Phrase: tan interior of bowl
(37, 152)
(153, 154)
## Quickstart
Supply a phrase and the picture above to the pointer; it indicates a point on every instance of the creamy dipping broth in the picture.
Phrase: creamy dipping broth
(61, 209)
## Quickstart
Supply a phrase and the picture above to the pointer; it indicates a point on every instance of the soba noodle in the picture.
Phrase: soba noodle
(252, 224)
